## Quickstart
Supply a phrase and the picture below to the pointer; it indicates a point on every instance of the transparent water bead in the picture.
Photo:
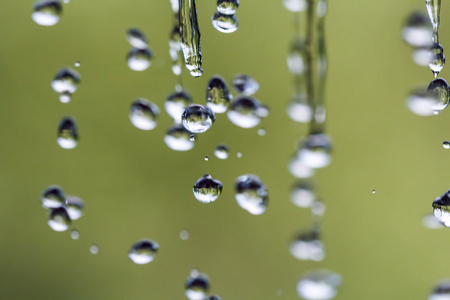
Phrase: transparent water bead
(227, 7)
(251, 194)
(296, 57)
(222, 151)
(441, 291)
(197, 286)
(65, 97)
(66, 81)
(298, 169)
(446, 145)
(417, 31)
(319, 285)
(441, 208)
(245, 84)
(176, 103)
(315, 151)
(225, 23)
(217, 95)
(53, 197)
(59, 219)
(302, 194)
(46, 13)
(179, 139)
(429, 221)
(143, 251)
(184, 235)
(299, 110)
(198, 118)
(74, 234)
(206, 189)
(143, 114)
(437, 59)
(438, 90)
(67, 133)
(295, 5)
(139, 59)
(421, 103)
(308, 246)
(74, 207)
(136, 38)
(239, 155)
(190, 37)
(93, 249)
(246, 112)
(77, 64)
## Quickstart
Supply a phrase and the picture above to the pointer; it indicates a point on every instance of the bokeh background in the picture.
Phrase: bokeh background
(135, 187)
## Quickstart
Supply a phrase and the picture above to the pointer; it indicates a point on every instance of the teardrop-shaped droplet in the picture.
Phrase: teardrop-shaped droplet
(417, 31)
(217, 95)
(184, 235)
(296, 57)
(308, 246)
(222, 151)
(74, 207)
(251, 194)
(298, 168)
(136, 38)
(246, 112)
(190, 37)
(315, 151)
(53, 197)
(431, 222)
(66, 81)
(437, 59)
(227, 7)
(441, 208)
(441, 291)
(318, 209)
(295, 5)
(143, 114)
(176, 103)
(421, 103)
(438, 90)
(139, 59)
(198, 118)
(225, 23)
(67, 133)
(302, 194)
(245, 84)
(59, 219)
(46, 13)
(319, 285)
(143, 251)
(299, 110)
(197, 286)
(179, 139)
(206, 189)
(434, 12)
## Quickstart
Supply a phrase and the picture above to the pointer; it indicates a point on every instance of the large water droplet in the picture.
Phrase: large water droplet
(178, 138)
(197, 286)
(206, 189)
(421, 103)
(139, 59)
(297, 167)
(251, 194)
(315, 151)
(246, 112)
(143, 114)
(302, 194)
(295, 5)
(59, 219)
(227, 7)
(319, 285)
(190, 37)
(217, 95)
(438, 90)
(296, 59)
(75, 207)
(65, 97)
(198, 118)
(417, 31)
(441, 208)
(437, 59)
(53, 197)
(66, 81)
(222, 151)
(245, 84)
(184, 235)
(46, 13)
(67, 133)
(441, 291)
(143, 251)
(225, 23)
(308, 246)
(176, 103)
(429, 221)
(136, 38)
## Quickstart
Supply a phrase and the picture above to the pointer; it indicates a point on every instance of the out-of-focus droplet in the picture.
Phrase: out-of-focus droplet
(437, 59)
(59, 219)
(261, 132)
(227, 7)
(197, 286)
(197, 118)
(239, 155)
(217, 95)
(318, 209)
(417, 31)
(46, 13)
(192, 138)
(251, 194)
(441, 208)
(77, 64)
(421, 56)
(296, 57)
(66, 81)
(179, 139)
(143, 114)
(246, 112)
(439, 90)
(299, 110)
(421, 103)
(245, 84)
(222, 151)
(184, 235)
(225, 23)
(206, 158)
(136, 38)
(75, 207)
(373, 191)
(297, 168)
(308, 246)
(74, 234)
(65, 97)
(67, 133)
(93, 249)
(319, 285)
(143, 251)
(315, 151)
(176, 103)
(295, 5)
(302, 194)
(175, 5)
(139, 59)
(446, 145)
(206, 189)
(441, 291)
(429, 221)
(53, 197)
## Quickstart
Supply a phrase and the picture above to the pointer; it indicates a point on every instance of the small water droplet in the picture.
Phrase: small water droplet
(77, 64)
(59, 219)
(206, 189)
(245, 84)
(295, 5)
(93, 249)
(246, 112)
(251, 194)
(53, 197)
(227, 7)
(65, 97)
(75, 207)
(437, 59)
(417, 31)
(66, 81)
(178, 138)
(239, 155)
(67, 133)
(46, 13)
(322, 284)
(143, 114)
(446, 144)
(308, 246)
(198, 118)
(136, 38)
(439, 90)
(74, 234)
(302, 194)
(296, 57)
(318, 209)
(184, 235)
(225, 23)
(206, 158)
(197, 286)
(192, 138)
(297, 167)
(176, 103)
(315, 151)
(373, 192)
(261, 132)
(139, 59)
(299, 110)
(143, 251)
(217, 95)
(222, 151)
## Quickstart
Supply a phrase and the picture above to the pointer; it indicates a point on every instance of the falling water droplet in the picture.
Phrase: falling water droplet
(308, 246)
(261, 132)
(67, 133)
(136, 38)
(446, 144)
(318, 209)
(227, 7)
(299, 110)
(206, 189)
(184, 235)
(439, 90)
(206, 158)
(297, 167)
(296, 57)
(437, 59)
(143, 251)
(178, 138)
(197, 118)
(77, 64)
(302, 194)
(421, 103)
(295, 5)
(373, 192)
(441, 208)
(46, 13)
(441, 291)
(190, 37)
(217, 95)
(75, 207)
(246, 112)
(245, 84)
(139, 59)
(417, 31)
(239, 155)
(143, 114)
(222, 151)
(59, 219)
(192, 138)
(176, 103)
(66, 81)
(53, 197)
(74, 234)
(225, 23)
(319, 285)
(251, 194)
(429, 221)
(65, 97)
(93, 249)
(197, 286)
(315, 151)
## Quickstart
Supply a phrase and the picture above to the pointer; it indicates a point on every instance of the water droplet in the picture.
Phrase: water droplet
(421, 103)
(53, 197)
(225, 23)
(251, 194)
(217, 95)
(308, 246)
(197, 286)
(176, 103)
(302, 194)
(214, 297)
(198, 118)
(315, 151)
(417, 31)
(136, 38)
(295, 5)
(190, 37)
(46, 13)
(206, 158)
(296, 57)
(441, 291)
(437, 59)
(261, 132)
(438, 89)
(227, 7)
(318, 209)
(299, 110)
(77, 64)
(74, 234)
(93, 249)
(206, 189)
(178, 138)
(192, 138)
(246, 112)
(297, 168)
(67, 133)
(322, 284)
(143, 114)
(429, 221)
(373, 192)
(421, 56)
(75, 207)
(441, 208)
(66, 81)
(59, 219)
(143, 251)
(175, 5)
(239, 155)
(139, 59)
(221, 152)
(245, 84)
(184, 235)
(446, 144)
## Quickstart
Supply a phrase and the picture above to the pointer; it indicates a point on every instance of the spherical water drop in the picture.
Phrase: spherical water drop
(206, 189)
(261, 132)
(437, 59)
(46, 13)
(206, 158)
(67, 133)
(176, 103)
(295, 5)
(139, 59)
(225, 23)
(429, 221)
(221, 152)
(438, 90)
(441, 291)
(417, 31)
(143, 252)
(59, 219)
(299, 110)
(184, 235)
(373, 192)
(245, 84)
(296, 57)
(297, 168)
(239, 155)
(197, 286)
(251, 194)
(53, 197)
(74, 207)
(74, 234)
(175, 5)
(441, 208)
(143, 114)
(308, 246)
(421, 103)
(66, 81)
(446, 144)
(319, 285)
(318, 209)
(65, 97)
(178, 138)
(197, 118)
(315, 151)
(246, 112)
(77, 64)
(227, 7)
(136, 38)
(302, 195)
(93, 249)
(217, 95)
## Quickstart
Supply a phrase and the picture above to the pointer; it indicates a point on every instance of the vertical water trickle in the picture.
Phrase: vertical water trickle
(437, 58)
(190, 36)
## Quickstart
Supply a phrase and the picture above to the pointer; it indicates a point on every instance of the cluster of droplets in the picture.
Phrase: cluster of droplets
(140, 56)
(224, 20)
(197, 287)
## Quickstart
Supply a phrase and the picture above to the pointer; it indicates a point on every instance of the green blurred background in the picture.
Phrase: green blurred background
(135, 187)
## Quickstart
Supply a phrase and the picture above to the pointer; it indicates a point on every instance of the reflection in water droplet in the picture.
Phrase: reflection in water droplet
(74, 207)
(46, 13)
(190, 37)
(319, 285)
(197, 118)
(441, 208)
(176, 103)
(438, 90)
(437, 59)
(315, 151)
(300, 111)
(143, 114)
(206, 189)
(295, 5)
(308, 246)
(143, 251)
(421, 103)
(53, 197)
(67, 133)
(251, 194)
(417, 31)
(429, 221)
(441, 291)
(446, 144)
(373, 192)
(66, 81)
(225, 23)
(139, 59)
(228, 7)
(245, 84)
(136, 38)
(298, 169)
(65, 97)
(184, 235)
(217, 95)
(302, 194)
(59, 219)
(74, 234)
(93, 249)
(246, 112)
(197, 286)
(178, 138)
(222, 151)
